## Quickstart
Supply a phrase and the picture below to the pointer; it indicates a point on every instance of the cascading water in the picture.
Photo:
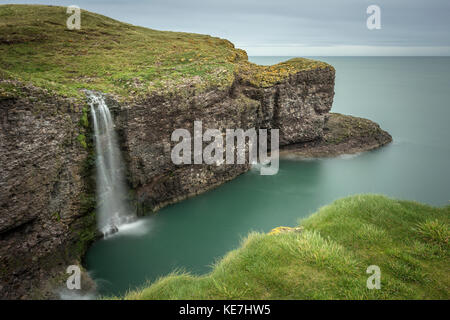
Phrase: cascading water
(113, 209)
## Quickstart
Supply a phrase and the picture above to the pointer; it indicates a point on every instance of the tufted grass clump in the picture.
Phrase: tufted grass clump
(434, 231)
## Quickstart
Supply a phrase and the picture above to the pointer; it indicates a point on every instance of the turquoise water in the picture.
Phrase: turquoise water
(409, 97)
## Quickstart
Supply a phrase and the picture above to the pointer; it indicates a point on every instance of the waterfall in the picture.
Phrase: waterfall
(113, 209)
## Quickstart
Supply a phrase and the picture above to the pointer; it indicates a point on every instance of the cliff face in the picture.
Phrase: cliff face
(298, 106)
(44, 196)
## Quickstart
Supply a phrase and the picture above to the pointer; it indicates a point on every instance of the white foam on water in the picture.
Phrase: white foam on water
(349, 156)
(66, 294)
(293, 156)
(137, 228)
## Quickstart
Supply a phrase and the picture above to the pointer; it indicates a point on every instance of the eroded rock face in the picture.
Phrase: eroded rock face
(342, 135)
(42, 188)
(297, 107)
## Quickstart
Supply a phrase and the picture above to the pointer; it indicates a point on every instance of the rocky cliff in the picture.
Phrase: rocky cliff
(154, 82)
(46, 192)
(298, 106)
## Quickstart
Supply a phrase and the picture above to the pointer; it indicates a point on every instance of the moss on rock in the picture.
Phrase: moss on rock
(267, 76)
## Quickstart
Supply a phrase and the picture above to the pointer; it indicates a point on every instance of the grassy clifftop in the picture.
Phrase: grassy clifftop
(328, 258)
(110, 56)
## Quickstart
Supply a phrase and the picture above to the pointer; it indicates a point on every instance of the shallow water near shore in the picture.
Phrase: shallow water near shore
(408, 96)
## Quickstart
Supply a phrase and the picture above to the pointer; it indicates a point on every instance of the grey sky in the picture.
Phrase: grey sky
(293, 27)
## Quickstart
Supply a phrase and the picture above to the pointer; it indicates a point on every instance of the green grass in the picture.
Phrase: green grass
(118, 58)
(329, 258)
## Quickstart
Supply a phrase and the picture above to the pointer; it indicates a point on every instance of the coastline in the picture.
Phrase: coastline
(214, 83)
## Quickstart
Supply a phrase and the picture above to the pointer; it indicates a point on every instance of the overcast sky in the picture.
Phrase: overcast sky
(293, 27)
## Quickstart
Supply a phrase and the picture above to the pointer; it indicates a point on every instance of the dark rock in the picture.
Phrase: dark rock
(342, 135)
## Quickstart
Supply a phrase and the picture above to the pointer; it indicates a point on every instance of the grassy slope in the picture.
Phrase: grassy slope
(328, 260)
(119, 58)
